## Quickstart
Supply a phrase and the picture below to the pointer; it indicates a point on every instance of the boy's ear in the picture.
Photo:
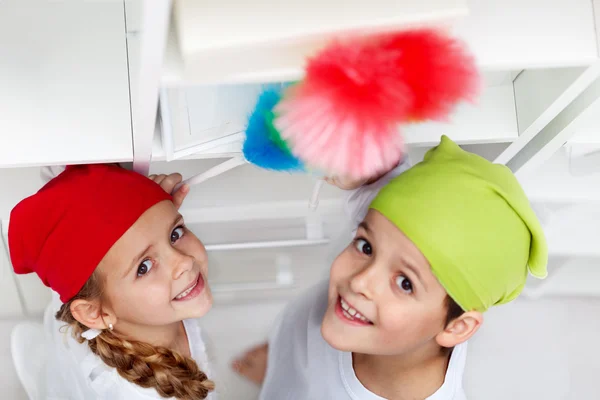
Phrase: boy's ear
(91, 314)
(460, 330)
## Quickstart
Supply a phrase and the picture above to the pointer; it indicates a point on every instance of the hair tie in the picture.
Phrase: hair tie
(91, 334)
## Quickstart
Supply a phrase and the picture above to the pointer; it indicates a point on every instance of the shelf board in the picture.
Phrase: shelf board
(491, 120)
(216, 46)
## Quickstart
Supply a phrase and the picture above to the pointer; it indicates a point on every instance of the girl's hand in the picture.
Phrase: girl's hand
(168, 182)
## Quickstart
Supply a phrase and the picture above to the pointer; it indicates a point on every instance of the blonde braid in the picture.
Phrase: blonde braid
(169, 372)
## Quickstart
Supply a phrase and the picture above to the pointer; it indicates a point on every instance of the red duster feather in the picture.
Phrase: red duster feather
(344, 116)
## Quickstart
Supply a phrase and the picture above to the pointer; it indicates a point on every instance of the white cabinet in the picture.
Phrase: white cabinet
(64, 94)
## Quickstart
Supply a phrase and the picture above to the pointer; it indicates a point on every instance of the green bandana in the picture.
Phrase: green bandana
(472, 221)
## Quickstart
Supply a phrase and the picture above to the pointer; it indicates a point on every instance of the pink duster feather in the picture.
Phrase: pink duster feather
(344, 117)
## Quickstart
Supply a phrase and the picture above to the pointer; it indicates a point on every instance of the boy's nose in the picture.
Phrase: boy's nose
(364, 282)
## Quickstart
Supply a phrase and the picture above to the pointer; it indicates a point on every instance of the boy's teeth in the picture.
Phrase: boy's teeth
(350, 312)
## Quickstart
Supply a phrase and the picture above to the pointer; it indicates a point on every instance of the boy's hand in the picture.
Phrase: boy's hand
(168, 182)
(346, 183)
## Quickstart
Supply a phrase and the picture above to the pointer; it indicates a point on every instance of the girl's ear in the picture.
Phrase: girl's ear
(460, 330)
(91, 314)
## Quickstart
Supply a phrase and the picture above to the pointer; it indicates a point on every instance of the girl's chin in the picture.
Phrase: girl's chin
(197, 308)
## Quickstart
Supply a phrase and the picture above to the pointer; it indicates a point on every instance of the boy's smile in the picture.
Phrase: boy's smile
(349, 314)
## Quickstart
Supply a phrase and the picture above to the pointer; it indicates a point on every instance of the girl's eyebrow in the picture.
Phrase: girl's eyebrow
(178, 220)
(136, 259)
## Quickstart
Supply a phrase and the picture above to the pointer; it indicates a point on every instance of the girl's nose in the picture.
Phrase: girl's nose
(181, 263)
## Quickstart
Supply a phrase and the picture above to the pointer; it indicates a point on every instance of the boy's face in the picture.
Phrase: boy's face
(383, 297)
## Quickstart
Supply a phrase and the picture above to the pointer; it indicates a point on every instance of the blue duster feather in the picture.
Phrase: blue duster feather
(260, 148)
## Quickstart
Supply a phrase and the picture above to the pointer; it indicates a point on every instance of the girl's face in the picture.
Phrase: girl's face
(156, 273)
(383, 297)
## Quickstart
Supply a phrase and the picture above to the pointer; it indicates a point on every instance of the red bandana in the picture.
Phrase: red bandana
(63, 231)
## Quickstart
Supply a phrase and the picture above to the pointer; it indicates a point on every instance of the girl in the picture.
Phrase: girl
(131, 278)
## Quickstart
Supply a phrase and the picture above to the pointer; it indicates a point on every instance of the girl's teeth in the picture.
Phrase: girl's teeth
(183, 294)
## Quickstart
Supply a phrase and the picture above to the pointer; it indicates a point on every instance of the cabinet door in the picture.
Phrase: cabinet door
(64, 80)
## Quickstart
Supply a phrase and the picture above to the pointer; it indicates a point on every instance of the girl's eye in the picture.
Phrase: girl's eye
(363, 246)
(404, 284)
(144, 267)
(176, 234)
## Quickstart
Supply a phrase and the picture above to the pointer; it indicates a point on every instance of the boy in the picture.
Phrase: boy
(440, 244)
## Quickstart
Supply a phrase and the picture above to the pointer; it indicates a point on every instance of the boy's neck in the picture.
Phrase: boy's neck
(417, 375)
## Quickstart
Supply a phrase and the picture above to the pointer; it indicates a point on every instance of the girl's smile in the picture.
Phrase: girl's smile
(192, 291)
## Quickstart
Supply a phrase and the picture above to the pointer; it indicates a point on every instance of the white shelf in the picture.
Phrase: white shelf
(269, 40)
(65, 91)
(221, 41)
(186, 121)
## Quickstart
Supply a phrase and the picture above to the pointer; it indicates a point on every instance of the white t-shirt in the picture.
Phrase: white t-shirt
(75, 373)
(303, 366)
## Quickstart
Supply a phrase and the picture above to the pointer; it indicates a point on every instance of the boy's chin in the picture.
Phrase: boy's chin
(333, 333)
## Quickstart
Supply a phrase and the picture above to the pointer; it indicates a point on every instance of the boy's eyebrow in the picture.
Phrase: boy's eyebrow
(365, 226)
(415, 271)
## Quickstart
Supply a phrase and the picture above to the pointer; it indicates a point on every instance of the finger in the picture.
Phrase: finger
(180, 195)
(152, 177)
(159, 178)
(170, 182)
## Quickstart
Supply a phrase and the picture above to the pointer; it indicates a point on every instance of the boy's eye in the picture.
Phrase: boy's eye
(404, 284)
(176, 234)
(144, 267)
(363, 246)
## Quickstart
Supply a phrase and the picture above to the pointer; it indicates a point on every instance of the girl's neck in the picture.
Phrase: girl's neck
(417, 375)
(172, 336)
